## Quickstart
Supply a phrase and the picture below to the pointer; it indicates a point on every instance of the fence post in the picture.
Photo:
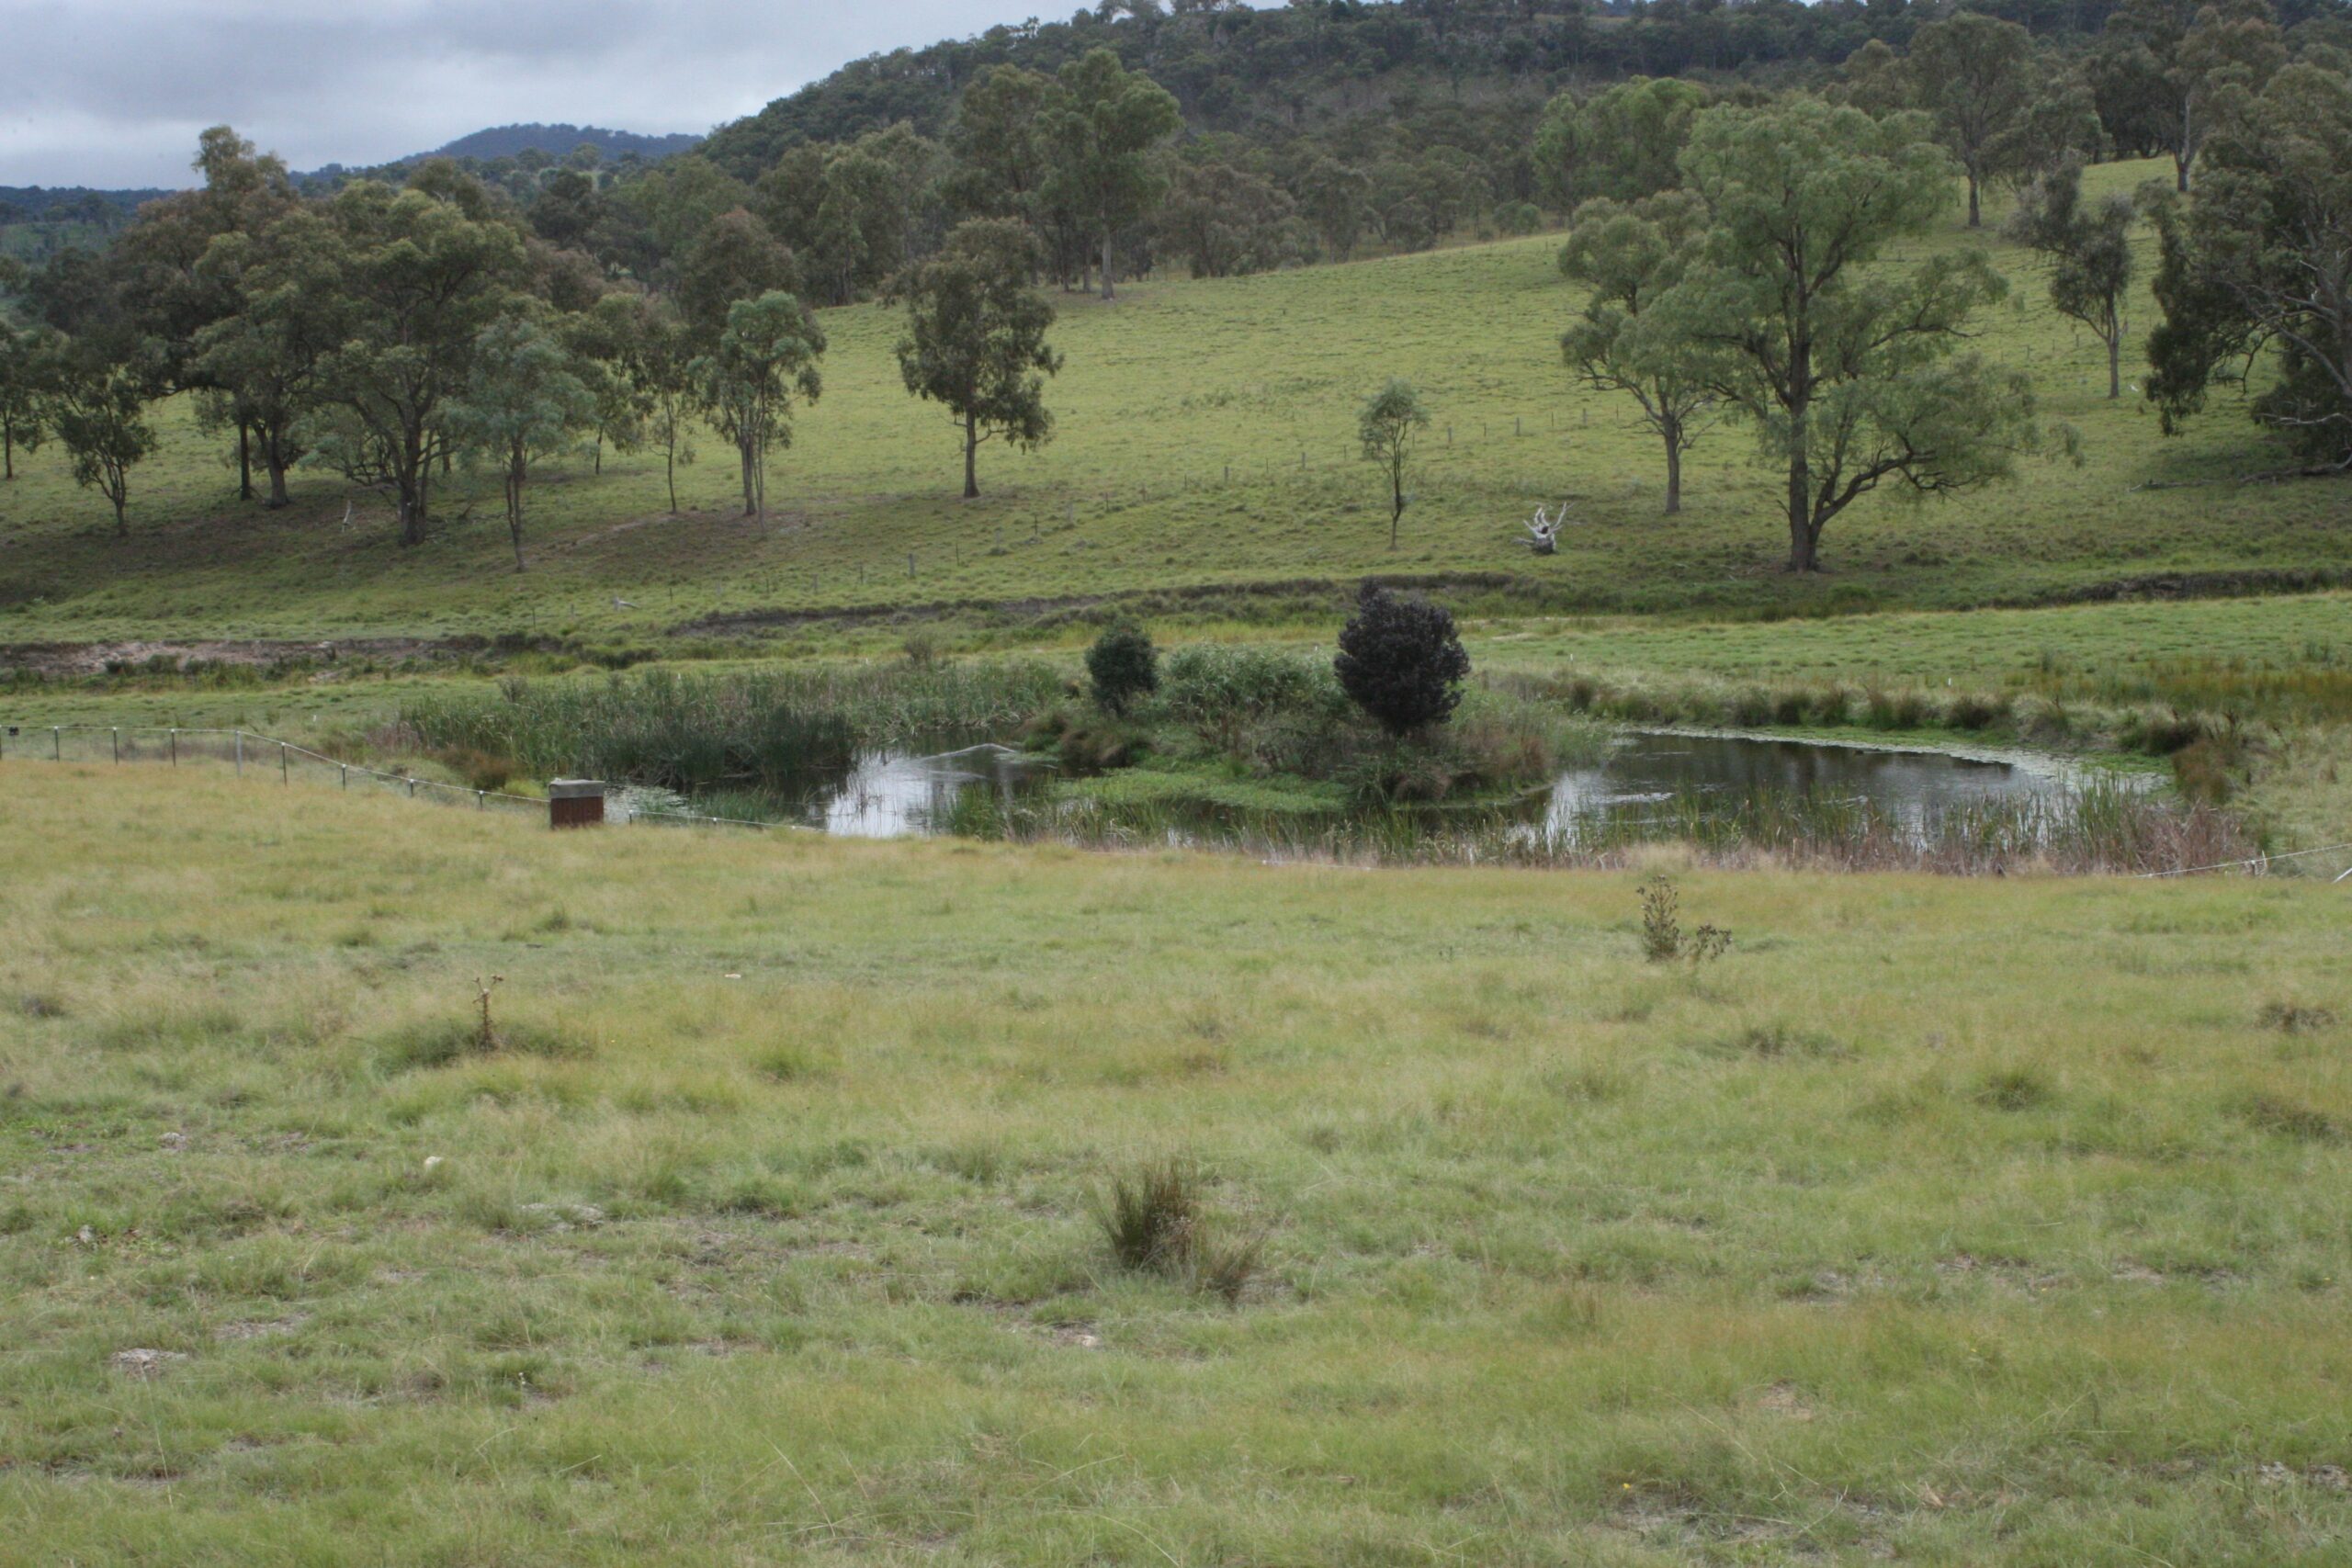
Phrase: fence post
(412, 786)
(346, 773)
(481, 800)
(282, 777)
(117, 744)
(56, 743)
(241, 753)
(175, 748)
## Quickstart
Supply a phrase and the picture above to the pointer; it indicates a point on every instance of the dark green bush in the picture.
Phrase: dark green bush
(1401, 661)
(1122, 666)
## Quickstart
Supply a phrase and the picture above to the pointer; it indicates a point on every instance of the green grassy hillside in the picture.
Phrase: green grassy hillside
(1943, 1221)
(1166, 394)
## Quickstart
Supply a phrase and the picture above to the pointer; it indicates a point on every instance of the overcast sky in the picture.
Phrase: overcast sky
(112, 93)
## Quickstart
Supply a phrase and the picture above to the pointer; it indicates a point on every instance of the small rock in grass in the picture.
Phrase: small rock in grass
(142, 1362)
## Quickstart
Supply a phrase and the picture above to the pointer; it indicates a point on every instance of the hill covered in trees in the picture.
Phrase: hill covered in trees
(558, 140)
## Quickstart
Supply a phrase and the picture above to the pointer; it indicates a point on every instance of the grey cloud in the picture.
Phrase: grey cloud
(113, 92)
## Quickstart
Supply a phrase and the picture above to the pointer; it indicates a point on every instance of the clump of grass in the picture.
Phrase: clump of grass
(2273, 1114)
(1780, 1039)
(2296, 1018)
(41, 1004)
(2012, 1088)
(1154, 1222)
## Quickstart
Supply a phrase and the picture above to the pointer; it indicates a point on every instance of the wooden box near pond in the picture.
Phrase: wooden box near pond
(575, 803)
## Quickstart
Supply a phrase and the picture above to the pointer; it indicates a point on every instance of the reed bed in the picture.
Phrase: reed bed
(695, 733)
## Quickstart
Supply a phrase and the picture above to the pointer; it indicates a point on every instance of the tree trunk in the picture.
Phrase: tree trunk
(670, 473)
(600, 451)
(514, 509)
(1976, 213)
(2115, 365)
(412, 477)
(245, 460)
(7, 450)
(1395, 502)
(1106, 264)
(745, 450)
(1673, 467)
(1801, 533)
(273, 458)
(972, 457)
(119, 492)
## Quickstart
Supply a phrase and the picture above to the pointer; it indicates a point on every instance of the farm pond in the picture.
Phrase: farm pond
(1665, 780)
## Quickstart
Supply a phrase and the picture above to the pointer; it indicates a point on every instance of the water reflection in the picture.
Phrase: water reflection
(1646, 770)
(887, 795)
(897, 792)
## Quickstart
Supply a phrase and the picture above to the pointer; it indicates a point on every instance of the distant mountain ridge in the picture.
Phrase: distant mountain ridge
(510, 141)
(20, 204)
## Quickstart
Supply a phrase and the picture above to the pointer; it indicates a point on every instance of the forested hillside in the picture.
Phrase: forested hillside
(507, 314)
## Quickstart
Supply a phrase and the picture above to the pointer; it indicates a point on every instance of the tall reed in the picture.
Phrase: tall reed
(773, 728)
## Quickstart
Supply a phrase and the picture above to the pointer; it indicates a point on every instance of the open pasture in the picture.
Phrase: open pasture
(1948, 1220)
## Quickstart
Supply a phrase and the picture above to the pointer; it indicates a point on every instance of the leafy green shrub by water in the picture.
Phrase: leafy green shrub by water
(1123, 667)
(1401, 661)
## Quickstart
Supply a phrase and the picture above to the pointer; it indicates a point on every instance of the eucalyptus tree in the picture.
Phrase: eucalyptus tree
(524, 399)
(414, 281)
(976, 338)
(1847, 364)
(2088, 244)
(267, 357)
(1620, 143)
(1102, 131)
(1973, 74)
(97, 406)
(1389, 428)
(25, 363)
(748, 386)
(2257, 268)
(2161, 64)
(1629, 255)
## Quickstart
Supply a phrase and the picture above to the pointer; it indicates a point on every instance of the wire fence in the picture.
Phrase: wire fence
(266, 758)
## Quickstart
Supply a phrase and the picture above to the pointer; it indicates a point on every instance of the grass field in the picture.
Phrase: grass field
(1952, 1220)
(1183, 416)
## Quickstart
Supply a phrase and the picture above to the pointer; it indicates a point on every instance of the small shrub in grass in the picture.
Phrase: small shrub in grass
(921, 649)
(1972, 712)
(1663, 937)
(2012, 1088)
(1123, 667)
(2273, 1113)
(1401, 661)
(1148, 1214)
(2296, 1018)
(1896, 710)
(1153, 1220)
